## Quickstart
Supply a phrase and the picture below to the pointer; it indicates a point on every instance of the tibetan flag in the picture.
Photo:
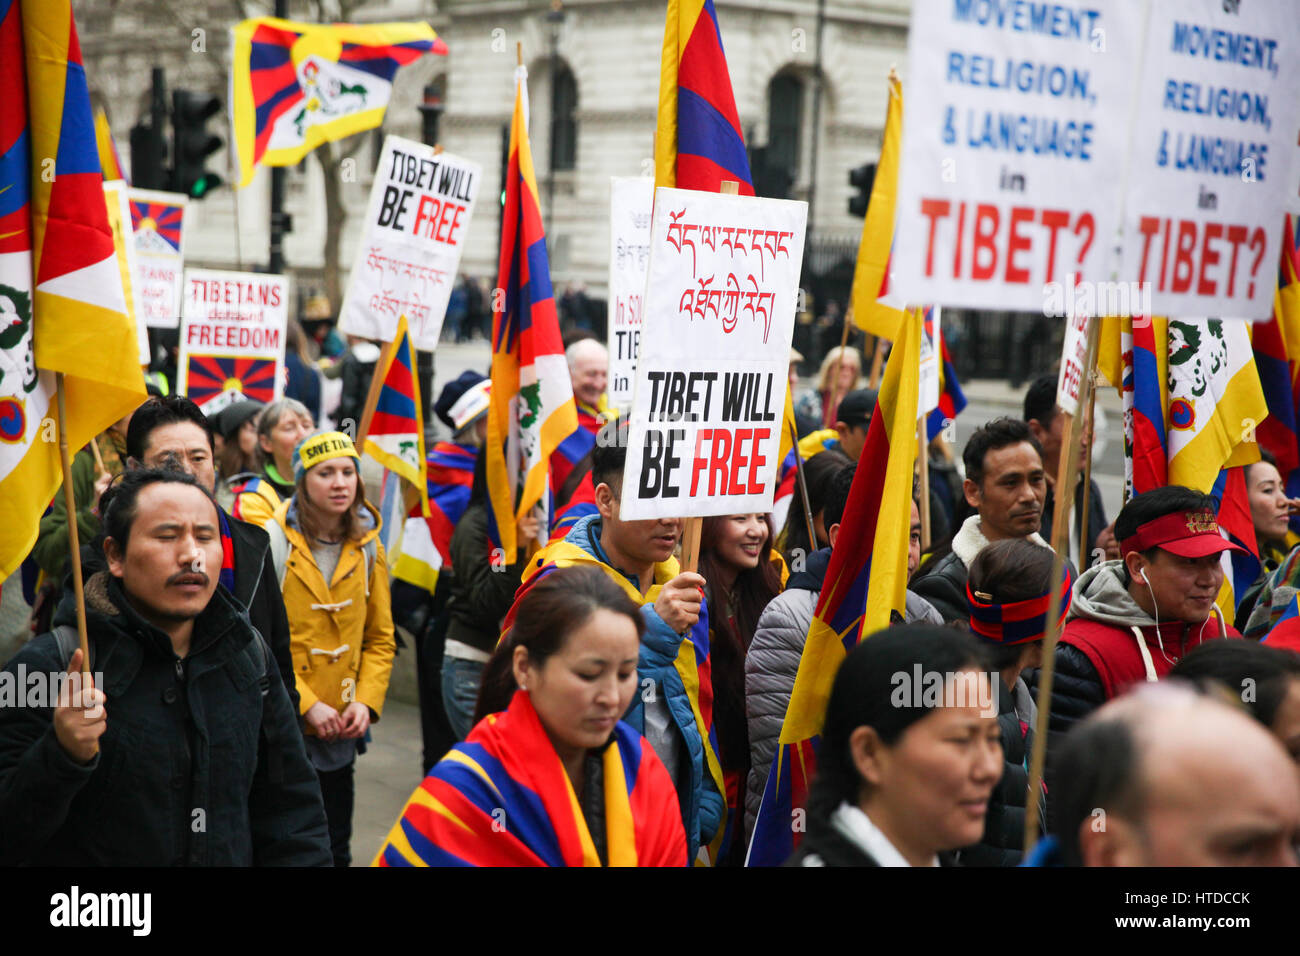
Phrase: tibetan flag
(951, 398)
(393, 423)
(1286, 632)
(503, 798)
(532, 410)
(294, 86)
(698, 144)
(1145, 350)
(871, 274)
(108, 158)
(62, 305)
(1277, 357)
(426, 542)
(1241, 569)
(573, 494)
(865, 586)
(157, 225)
(787, 468)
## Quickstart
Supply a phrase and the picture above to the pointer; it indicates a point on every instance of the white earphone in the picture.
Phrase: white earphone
(1143, 572)
(1159, 639)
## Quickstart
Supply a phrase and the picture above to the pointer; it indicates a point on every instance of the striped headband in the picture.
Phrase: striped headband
(1018, 622)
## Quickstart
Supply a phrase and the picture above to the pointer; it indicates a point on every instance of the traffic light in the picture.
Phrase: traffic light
(148, 157)
(861, 178)
(192, 144)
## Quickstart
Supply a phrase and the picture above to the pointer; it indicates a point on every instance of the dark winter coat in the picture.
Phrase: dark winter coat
(198, 765)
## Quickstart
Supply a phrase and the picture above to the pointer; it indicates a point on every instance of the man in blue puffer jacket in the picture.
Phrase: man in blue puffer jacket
(674, 704)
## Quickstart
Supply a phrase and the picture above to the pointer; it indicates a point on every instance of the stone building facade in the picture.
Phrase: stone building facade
(593, 78)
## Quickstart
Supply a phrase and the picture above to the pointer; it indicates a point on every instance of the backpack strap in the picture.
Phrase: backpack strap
(66, 643)
(279, 549)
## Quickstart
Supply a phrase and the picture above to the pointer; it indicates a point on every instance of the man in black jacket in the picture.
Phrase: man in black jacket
(173, 432)
(1005, 484)
(184, 750)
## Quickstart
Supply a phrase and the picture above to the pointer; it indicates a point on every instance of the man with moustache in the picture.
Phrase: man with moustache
(1005, 484)
(185, 751)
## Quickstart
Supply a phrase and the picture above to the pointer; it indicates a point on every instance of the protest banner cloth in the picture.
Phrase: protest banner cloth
(630, 202)
(158, 227)
(409, 254)
(232, 337)
(119, 222)
(715, 354)
(1213, 148)
(1015, 128)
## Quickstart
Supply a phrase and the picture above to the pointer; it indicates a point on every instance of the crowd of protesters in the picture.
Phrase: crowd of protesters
(615, 708)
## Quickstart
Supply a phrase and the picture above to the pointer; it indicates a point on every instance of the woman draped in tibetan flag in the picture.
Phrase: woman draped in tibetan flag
(556, 779)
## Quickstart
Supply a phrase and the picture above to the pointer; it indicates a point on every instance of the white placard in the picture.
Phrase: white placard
(1015, 125)
(715, 354)
(232, 337)
(630, 202)
(1074, 360)
(411, 243)
(1213, 155)
(931, 350)
(158, 224)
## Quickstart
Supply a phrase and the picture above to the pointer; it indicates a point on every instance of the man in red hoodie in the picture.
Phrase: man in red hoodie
(1131, 620)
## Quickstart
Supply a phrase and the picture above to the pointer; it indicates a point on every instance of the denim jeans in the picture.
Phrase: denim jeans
(460, 683)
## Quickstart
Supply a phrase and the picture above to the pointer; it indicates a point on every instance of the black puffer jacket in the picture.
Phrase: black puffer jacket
(197, 766)
(1004, 825)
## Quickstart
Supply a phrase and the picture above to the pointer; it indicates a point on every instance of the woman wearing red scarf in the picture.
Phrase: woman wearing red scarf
(557, 779)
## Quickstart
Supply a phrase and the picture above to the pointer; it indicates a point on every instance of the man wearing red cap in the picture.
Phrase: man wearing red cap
(1131, 620)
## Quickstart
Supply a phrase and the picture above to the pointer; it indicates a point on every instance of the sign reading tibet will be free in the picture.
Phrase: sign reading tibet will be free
(409, 254)
(1014, 135)
(715, 354)
(630, 202)
(232, 337)
(1213, 156)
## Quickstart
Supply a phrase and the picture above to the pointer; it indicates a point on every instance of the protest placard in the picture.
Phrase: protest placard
(630, 201)
(119, 221)
(715, 352)
(1074, 363)
(232, 337)
(411, 242)
(1014, 135)
(1212, 156)
(931, 349)
(158, 225)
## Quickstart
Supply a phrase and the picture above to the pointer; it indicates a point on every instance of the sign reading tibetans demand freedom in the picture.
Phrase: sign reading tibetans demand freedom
(409, 254)
(158, 225)
(1015, 129)
(1213, 156)
(630, 201)
(232, 337)
(714, 356)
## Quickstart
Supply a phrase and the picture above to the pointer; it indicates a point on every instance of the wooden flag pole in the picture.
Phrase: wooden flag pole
(691, 530)
(99, 459)
(829, 417)
(1089, 423)
(1068, 465)
(803, 488)
(923, 466)
(877, 363)
(74, 544)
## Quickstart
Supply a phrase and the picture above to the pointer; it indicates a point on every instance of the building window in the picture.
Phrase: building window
(564, 118)
(784, 123)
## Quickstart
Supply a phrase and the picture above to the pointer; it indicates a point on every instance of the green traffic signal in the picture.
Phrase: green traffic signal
(192, 144)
